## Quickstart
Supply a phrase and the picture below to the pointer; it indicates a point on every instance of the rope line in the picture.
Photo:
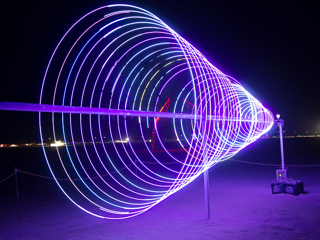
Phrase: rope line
(272, 165)
(67, 179)
(7, 177)
(77, 179)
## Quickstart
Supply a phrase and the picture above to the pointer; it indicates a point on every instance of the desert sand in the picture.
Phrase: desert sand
(242, 206)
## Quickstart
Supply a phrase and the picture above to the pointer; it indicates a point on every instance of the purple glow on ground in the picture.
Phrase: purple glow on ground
(242, 205)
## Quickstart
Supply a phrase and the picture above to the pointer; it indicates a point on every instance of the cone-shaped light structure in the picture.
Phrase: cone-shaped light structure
(124, 59)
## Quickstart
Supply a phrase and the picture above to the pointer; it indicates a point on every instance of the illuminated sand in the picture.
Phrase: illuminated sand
(242, 206)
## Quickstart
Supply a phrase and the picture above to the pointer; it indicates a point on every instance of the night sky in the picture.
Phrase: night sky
(270, 47)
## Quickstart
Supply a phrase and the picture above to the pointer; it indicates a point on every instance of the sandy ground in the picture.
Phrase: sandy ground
(242, 207)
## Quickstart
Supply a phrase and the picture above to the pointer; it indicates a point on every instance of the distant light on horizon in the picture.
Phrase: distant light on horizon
(57, 144)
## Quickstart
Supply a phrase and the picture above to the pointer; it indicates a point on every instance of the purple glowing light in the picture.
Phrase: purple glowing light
(121, 63)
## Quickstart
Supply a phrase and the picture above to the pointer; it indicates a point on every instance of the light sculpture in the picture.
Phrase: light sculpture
(104, 87)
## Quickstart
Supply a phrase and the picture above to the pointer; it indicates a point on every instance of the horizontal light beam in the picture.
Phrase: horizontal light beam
(32, 107)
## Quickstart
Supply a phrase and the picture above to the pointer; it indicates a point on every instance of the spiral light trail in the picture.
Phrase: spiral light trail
(125, 62)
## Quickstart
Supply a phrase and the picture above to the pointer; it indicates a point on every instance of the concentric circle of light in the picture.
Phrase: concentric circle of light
(125, 58)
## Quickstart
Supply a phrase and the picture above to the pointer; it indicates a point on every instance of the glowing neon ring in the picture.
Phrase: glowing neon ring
(124, 57)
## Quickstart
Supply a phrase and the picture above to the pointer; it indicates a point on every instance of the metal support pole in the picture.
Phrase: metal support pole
(280, 124)
(206, 192)
(206, 172)
(17, 191)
